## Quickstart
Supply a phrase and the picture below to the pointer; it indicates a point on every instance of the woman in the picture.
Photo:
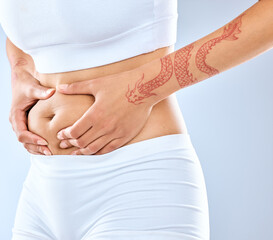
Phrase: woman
(153, 188)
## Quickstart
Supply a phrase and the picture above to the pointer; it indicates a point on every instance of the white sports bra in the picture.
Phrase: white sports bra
(69, 35)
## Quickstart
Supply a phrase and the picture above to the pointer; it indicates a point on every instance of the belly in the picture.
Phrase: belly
(49, 116)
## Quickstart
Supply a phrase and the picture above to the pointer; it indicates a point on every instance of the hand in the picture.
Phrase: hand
(115, 117)
(26, 91)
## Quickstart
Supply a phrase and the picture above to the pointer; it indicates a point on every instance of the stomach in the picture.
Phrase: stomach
(47, 117)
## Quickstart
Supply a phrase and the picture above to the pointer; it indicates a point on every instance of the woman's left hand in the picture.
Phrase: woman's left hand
(117, 115)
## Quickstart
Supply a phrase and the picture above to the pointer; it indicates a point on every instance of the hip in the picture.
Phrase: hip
(152, 189)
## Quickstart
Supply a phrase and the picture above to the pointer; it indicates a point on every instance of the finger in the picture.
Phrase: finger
(111, 146)
(19, 125)
(94, 146)
(82, 87)
(18, 121)
(65, 144)
(38, 91)
(31, 138)
(38, 148)
(88, 137)
(84, 123)
(33, 152)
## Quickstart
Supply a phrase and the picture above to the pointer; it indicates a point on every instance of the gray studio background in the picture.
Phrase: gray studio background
(229, 118)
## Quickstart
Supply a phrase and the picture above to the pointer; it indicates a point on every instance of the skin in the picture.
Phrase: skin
(143, 90)
(246, 36)
(111, 122)
(26, 91)
(49, 115)
(181, 65)
(230, 33)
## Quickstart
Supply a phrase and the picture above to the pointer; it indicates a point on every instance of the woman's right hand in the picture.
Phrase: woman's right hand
(26, 91)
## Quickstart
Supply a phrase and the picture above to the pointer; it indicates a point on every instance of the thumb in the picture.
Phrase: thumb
(83, 87)
(41, 92)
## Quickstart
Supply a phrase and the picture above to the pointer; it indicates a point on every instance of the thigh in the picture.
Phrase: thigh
(30, 221)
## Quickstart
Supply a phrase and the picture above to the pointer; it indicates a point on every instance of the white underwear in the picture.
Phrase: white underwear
(149, 190)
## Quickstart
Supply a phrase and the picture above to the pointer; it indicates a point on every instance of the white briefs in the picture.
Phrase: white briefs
(148, 190)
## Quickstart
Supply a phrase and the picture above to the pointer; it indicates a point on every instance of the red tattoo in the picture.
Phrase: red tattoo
(229, 34)
(144, 90)
(181, 64)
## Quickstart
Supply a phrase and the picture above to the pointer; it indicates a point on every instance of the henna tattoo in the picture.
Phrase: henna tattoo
(229, 34)
(181, 64)
(144, 90)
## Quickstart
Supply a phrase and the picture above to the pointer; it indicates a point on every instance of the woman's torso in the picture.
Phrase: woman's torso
(49, 116)
(65, 36)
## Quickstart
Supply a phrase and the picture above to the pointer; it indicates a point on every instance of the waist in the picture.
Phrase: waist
(133, 152)
(53, 79)
(49, 116)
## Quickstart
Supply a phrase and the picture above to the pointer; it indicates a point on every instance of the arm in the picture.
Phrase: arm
(246, 36)
(17, 58)
(26, 91)
(112, 121)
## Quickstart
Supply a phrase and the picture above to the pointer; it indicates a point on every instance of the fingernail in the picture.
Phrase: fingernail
(42, 142)
(46, 152)
(63, 145)
(74, 153)
(49, 91)
(59, 136)
(62, 86)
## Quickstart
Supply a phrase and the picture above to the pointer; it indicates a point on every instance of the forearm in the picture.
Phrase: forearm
(246, 36)
(18, 58)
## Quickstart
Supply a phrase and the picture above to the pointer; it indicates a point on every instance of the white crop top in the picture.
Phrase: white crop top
(69, 35)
